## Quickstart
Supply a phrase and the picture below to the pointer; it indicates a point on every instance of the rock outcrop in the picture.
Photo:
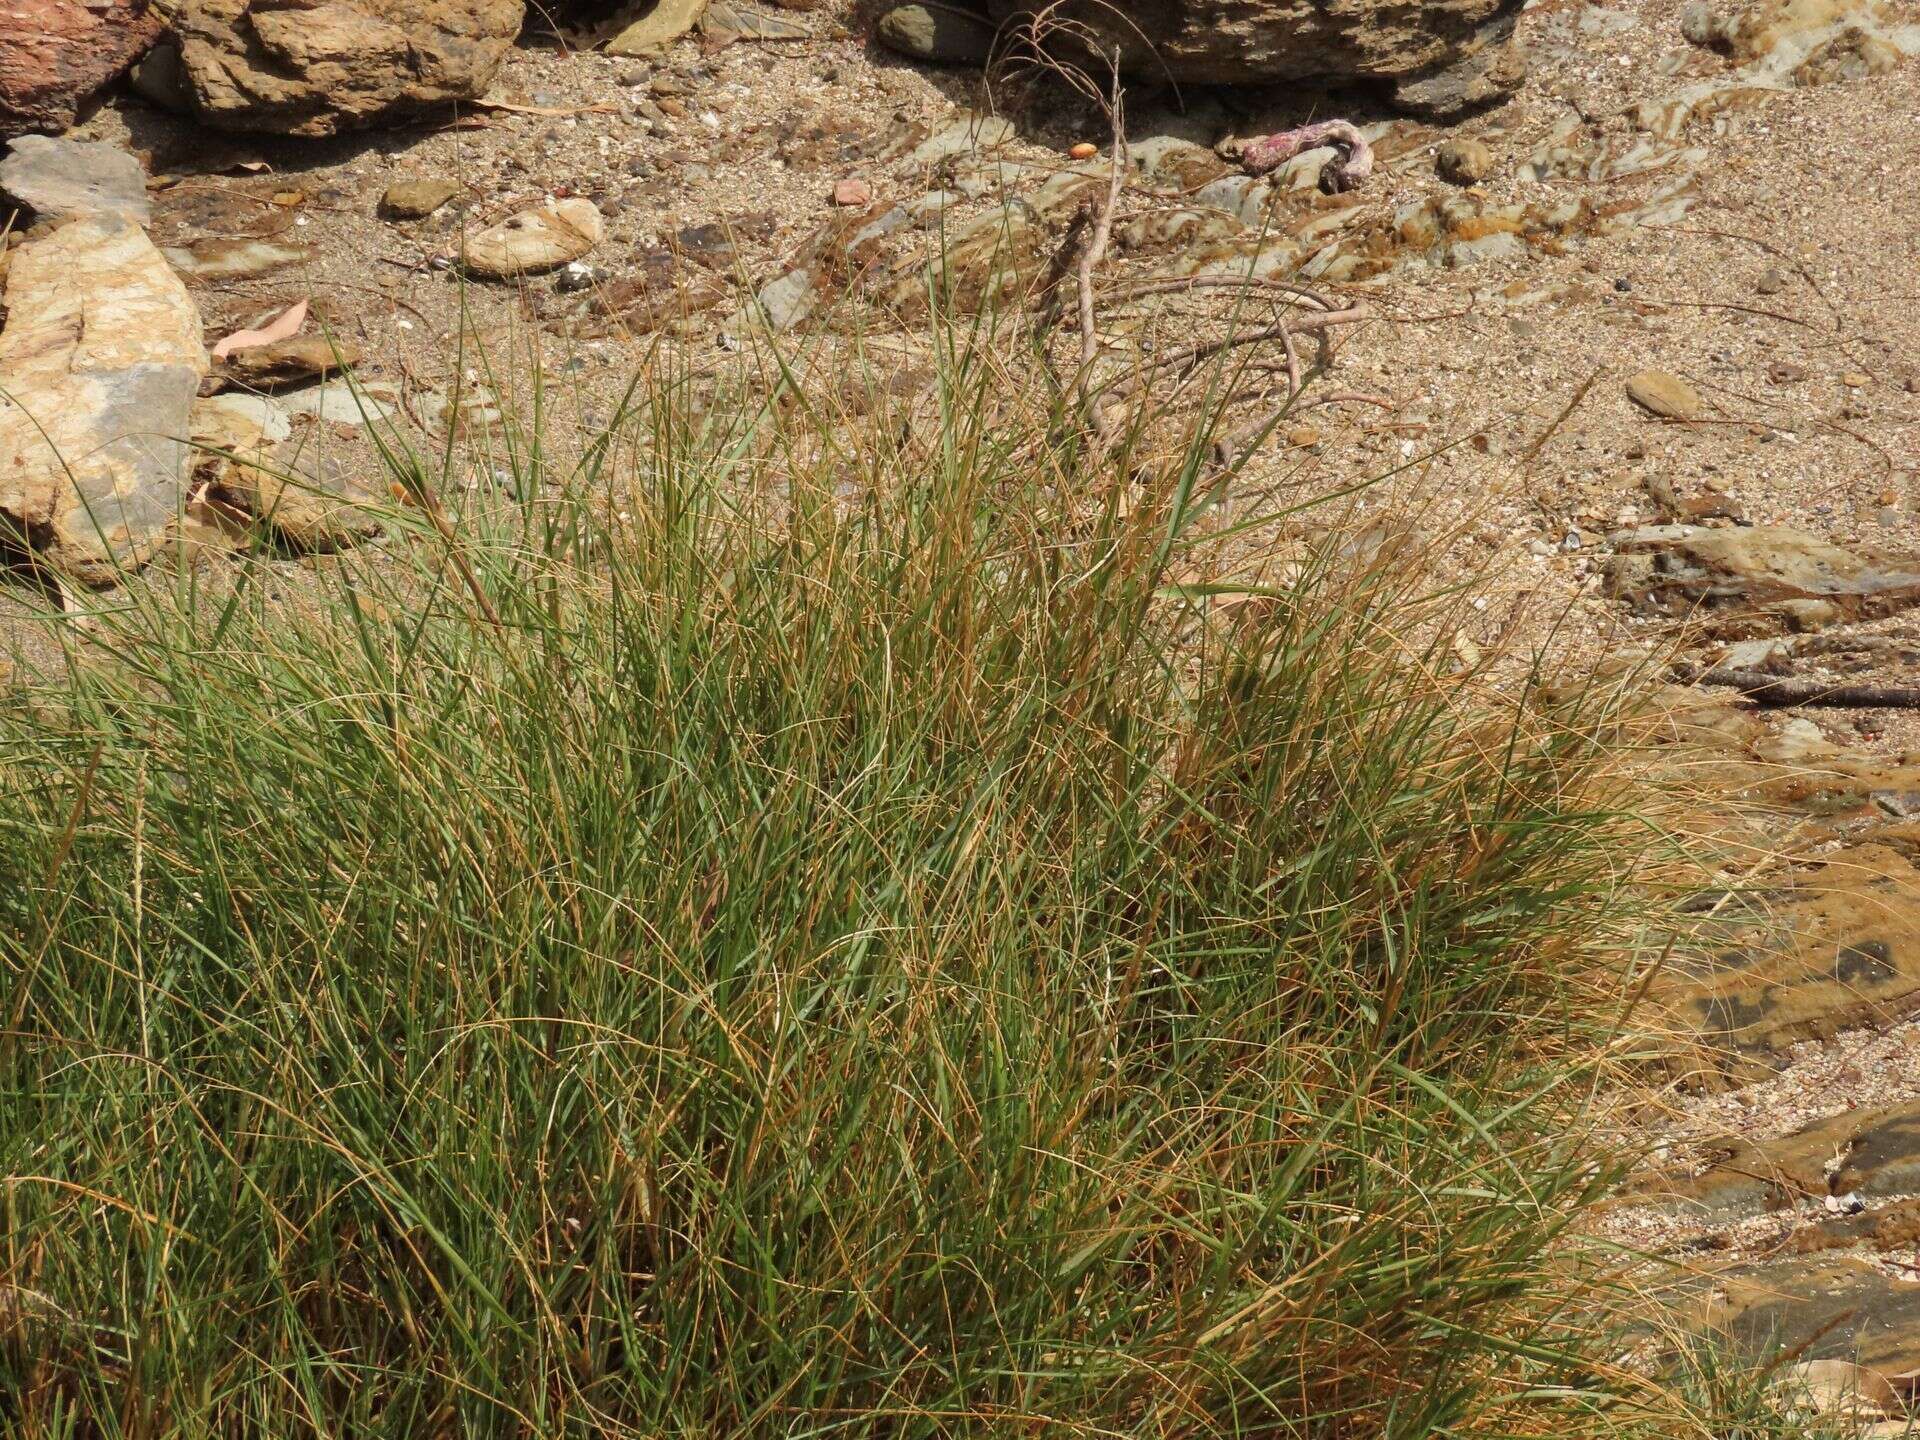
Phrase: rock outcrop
(317, 67)
(1442, 57)
(100, 361)
(55, 55)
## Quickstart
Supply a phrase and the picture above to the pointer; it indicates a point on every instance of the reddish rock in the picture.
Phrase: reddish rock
(853, 192)
(55, 55)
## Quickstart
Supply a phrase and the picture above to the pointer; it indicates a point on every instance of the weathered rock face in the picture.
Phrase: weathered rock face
(63, 179)
(102, 357)
(1443, 56)
(316, 67)
(56, 54)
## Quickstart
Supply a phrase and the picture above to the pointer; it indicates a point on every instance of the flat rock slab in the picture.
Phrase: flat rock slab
(1838, 948)
(1442, 55)
(1836, 1308)
(1765, 576)
(663, 24)
(102, 359)
(63, 179)
(55, 55)
(218, 258)
(1874, 1154)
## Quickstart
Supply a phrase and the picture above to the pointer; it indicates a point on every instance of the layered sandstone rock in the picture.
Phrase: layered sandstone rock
(317, 67)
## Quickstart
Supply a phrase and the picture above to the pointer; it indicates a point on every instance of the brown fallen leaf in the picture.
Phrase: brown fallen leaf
(281, 327)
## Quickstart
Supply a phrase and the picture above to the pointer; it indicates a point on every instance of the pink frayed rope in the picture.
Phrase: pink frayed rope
(1270, 152)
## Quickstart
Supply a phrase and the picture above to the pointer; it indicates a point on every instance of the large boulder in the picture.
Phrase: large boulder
(55, 55)
(1441, 56)
(317, 67)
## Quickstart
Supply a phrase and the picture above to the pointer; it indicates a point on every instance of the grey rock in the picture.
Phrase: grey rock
(785, 302)
(161, 79)
(1700, 26)
(940, 34)
(62, 179)
(339, 403)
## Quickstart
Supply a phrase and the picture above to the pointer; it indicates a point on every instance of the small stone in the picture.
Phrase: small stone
(673, 109)
(1667, 396)
(1463, 162)
(62, 179)
(1698, 25)
(785, 302)
(942, 34)
(1856, 379)
(1303, 437)
(304, 357)
(417, 199)
(1085, 150)
(853, 192)
(636, 75)
(575, 276)
(534, 241)
(1772, 281)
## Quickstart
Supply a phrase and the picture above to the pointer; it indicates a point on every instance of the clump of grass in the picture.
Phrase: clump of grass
(775, 937)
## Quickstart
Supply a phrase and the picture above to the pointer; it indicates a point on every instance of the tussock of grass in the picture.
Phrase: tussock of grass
(658, 965)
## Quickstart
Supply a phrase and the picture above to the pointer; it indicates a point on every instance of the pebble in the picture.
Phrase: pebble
(1463, 162)
(1084, 151)
(1856, 379)
(417, 199)
(1667, 396)
(853, 192)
